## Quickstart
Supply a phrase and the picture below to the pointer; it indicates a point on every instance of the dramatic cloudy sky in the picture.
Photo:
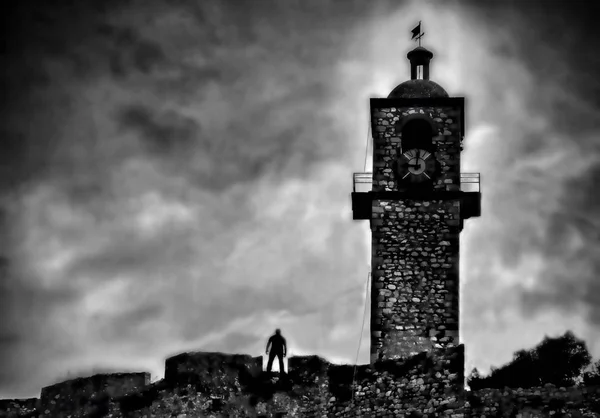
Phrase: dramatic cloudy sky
(176, 176)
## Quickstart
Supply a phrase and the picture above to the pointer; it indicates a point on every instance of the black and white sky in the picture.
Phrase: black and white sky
(176, 176)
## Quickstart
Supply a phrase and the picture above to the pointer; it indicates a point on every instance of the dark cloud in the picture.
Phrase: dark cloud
(26, 304)
(86, 85)
(127, 325)
(66, 49)
(579, 211)
(128, 51)
(165, 133)
(134, 254)
(23, 309)
(239, 303)
(570, 280)
(255, 93)
(37, 31)
(21, 159)
(9, 338)
(92, 191)
(556, 42)
(147, 55)
(237, 342)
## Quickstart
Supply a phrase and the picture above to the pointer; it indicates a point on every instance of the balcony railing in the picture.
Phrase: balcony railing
(363, 182)
(469, 182)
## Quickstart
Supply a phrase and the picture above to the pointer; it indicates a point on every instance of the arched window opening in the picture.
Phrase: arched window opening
(417, 133)
(419, 72)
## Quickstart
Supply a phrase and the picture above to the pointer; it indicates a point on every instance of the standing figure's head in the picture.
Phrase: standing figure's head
(278, 331)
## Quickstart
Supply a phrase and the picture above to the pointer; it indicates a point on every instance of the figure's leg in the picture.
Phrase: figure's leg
(281, 369)
(270, 362)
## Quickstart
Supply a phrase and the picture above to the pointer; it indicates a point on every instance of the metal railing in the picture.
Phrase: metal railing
(363, 182)
(469, 182)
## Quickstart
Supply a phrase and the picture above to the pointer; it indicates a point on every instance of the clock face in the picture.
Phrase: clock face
(416, 166)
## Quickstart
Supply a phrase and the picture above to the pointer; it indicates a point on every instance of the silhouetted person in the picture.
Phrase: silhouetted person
(278, 348)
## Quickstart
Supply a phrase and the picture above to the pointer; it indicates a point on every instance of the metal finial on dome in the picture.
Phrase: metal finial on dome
(418, 86)
(419, 56)
(416, 33)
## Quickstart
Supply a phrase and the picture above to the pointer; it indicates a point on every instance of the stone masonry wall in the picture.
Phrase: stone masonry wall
(387, 139)
(19, 407)
(202, 368)
(63, 398)
(415, 289)
(429, 384)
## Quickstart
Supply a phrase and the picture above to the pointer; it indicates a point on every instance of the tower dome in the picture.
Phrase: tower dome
(418, 87)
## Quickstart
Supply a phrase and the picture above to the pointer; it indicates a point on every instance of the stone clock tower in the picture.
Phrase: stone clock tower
(416, 206)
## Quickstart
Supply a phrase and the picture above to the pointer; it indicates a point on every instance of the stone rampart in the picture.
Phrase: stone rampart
(65, 398)
(429, 384)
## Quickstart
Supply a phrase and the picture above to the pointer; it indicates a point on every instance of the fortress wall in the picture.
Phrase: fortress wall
(212, 371)
(429, 384)
(66, 397)
(18, 407)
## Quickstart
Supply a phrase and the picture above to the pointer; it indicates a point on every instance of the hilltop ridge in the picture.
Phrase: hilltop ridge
(214, 384)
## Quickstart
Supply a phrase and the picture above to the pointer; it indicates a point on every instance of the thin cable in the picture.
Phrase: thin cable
(362, 328)
(347, 292)
(367, 148)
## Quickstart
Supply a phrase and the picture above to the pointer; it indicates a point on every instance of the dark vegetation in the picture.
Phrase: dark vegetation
(592, 377)
(558, 361)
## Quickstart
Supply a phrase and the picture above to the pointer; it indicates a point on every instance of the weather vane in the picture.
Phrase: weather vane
(416, 33)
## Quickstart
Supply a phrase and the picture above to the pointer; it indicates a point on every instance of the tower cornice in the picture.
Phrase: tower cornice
(362, 202)
(416, 101)
(379, 103)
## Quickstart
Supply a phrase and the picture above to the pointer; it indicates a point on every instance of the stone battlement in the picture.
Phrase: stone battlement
(212, 384)
(73, 395)
(311, 386)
